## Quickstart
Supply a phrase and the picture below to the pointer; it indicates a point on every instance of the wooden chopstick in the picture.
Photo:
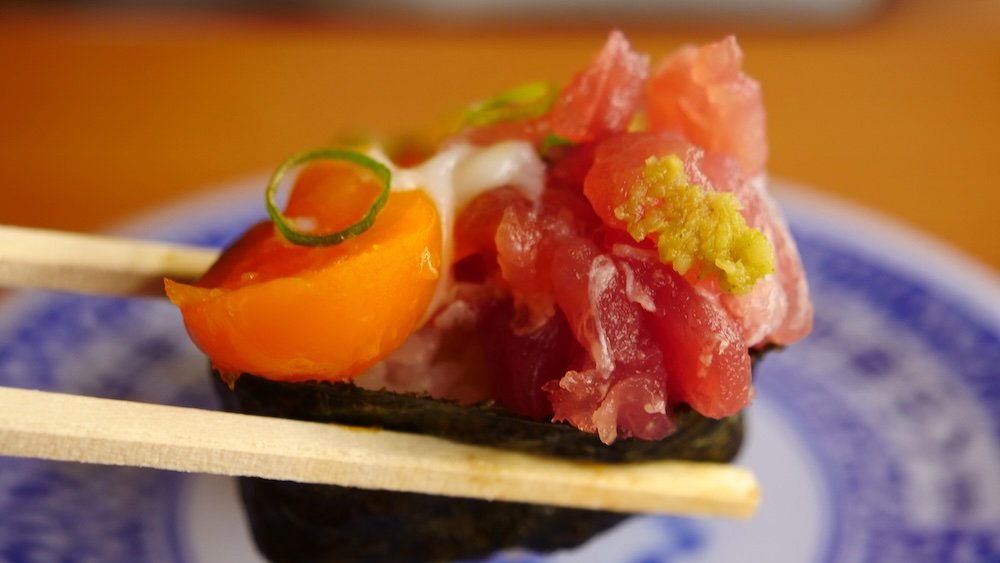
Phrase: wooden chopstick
(86, 429)
(41, 259)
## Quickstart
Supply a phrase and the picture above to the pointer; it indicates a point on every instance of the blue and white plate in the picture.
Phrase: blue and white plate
(875, 439)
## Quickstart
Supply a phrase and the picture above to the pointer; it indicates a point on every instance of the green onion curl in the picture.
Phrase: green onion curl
(302, 238)
(520, 102)
(553, 141)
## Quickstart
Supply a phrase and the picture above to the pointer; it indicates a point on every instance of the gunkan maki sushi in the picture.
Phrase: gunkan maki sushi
(587, 272)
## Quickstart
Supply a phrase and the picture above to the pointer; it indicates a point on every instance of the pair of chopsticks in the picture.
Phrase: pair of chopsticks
(85, 429)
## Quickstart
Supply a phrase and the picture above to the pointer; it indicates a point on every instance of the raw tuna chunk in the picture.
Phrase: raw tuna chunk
(704, 94)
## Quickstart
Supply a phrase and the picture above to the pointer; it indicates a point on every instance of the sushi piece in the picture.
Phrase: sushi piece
(587, 273)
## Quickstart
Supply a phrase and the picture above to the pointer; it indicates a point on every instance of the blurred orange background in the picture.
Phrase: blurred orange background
(108, 113)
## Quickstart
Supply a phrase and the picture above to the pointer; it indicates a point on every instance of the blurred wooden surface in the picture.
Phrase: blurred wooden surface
(107, 114)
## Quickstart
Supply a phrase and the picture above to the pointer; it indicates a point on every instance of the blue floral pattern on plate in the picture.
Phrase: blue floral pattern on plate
(890, 409)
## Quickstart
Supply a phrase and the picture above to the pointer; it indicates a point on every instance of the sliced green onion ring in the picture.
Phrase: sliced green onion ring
(520, 102)
(552, 141)
(302, 238)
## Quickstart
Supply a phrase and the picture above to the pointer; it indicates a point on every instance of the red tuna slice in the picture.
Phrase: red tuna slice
(520, 363)
(521, 236)
(599, 100)
(619, 388)
(703, 93)
(603, 97)
(704, 353)
(636, 404)
(476, 224)
(797, 320)
(778, 309)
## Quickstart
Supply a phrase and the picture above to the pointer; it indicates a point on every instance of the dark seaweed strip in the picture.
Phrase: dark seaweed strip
(296, 522)
(697, 438)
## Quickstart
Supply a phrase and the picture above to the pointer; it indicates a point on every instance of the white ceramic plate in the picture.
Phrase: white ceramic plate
(875, 439)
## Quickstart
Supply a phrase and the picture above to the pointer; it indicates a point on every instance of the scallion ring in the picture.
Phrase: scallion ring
(295, 236)
(552, 141)
(521, 102)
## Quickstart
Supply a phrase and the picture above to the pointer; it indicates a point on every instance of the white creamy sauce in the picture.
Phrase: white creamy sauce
(455, 176)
